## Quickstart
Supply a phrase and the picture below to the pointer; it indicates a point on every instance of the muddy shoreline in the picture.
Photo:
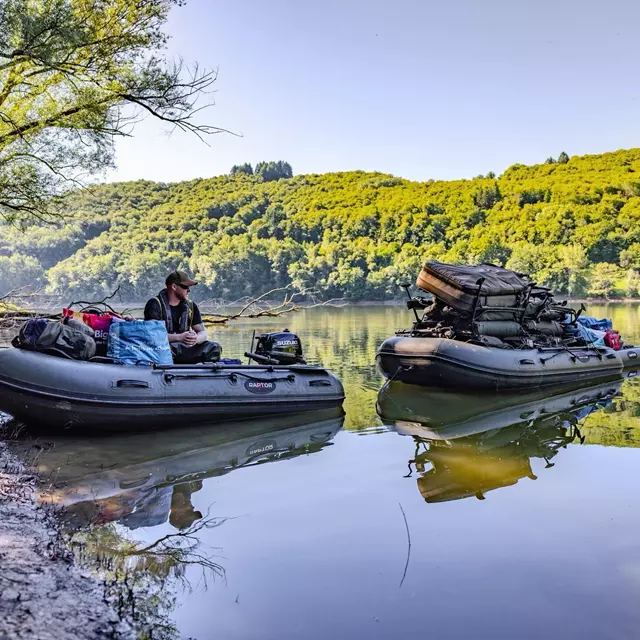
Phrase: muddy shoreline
(43, 593)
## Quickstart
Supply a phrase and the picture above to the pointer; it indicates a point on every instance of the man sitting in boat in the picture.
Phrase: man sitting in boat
(187, 335)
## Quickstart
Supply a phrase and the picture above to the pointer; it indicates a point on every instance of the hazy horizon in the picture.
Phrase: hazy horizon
(297, 173)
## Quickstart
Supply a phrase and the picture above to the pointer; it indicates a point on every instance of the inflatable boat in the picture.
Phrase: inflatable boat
(487, 327)
(41, 389)
(442, 362)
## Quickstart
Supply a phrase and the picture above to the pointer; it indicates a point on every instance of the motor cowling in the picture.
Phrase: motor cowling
(281, 347)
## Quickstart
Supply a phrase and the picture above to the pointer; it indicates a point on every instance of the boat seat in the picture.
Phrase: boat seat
(464, 287)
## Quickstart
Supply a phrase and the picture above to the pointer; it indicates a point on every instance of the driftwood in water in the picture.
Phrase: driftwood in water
(13, 314)
(260, 307)
(13, 311)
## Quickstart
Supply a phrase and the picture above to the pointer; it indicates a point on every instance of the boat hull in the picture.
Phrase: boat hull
(42, 390)
(439, 362)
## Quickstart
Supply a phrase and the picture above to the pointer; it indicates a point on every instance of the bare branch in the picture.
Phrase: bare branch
(13, 313)
(103, 302)
(260, 307)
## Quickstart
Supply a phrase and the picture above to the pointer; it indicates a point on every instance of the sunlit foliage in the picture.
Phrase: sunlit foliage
(574, 225)
(75, 74)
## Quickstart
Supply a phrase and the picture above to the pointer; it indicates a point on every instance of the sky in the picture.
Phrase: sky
(416, 88)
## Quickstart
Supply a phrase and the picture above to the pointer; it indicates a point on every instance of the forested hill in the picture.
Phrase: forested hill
(574, 225)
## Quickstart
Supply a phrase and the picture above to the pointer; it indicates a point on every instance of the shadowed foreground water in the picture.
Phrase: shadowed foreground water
(447, 515)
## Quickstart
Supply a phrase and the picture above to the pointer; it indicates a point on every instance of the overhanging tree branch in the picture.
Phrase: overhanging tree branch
(73, 65)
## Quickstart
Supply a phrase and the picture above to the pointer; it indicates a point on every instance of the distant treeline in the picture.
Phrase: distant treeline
(573, 223)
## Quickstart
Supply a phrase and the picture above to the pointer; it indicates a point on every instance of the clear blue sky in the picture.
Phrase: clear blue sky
(417, 88)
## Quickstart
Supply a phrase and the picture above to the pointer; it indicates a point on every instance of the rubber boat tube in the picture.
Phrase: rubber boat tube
(439, 362)
(40, 389)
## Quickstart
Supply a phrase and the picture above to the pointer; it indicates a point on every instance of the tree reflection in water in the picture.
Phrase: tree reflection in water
(141, 579)
(168, 557)
(111, 486)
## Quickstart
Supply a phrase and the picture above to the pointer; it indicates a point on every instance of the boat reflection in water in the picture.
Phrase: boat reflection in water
(143, 480)
(469, 444)
(111, 485)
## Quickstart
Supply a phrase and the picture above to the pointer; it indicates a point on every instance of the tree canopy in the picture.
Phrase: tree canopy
(575, 227)
(274, 170)
(74, 74)
(245, 168)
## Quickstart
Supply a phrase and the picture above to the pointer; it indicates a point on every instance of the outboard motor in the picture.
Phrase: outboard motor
(281, 347)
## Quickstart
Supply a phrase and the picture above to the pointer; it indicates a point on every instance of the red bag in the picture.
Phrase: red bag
(100, 323)
(612, 339)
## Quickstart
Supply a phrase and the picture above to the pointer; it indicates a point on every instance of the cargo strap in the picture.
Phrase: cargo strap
(169, 377)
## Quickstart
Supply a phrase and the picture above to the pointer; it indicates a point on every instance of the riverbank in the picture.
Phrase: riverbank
(43, 594)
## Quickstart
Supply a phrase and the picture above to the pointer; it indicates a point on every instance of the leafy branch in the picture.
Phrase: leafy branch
(74, 76)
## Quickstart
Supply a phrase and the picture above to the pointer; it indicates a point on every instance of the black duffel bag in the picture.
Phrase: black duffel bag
(74, 339)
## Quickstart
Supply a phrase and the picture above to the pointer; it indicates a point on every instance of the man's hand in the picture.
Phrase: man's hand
(189, 338)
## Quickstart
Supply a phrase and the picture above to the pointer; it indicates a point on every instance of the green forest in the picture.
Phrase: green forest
(572, 223)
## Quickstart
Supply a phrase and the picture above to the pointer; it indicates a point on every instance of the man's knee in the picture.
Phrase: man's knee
(212, 351)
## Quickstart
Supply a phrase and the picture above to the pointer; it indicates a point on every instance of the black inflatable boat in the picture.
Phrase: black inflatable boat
(40, 389)
(440, 362)
(485, 327)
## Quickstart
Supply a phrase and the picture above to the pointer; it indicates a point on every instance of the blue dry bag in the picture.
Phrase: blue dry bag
(139, 342)
(593, 323)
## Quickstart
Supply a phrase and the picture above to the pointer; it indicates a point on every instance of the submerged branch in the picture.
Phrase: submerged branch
(100, 303)
(12, 307)
(406, 565)
(13, 311)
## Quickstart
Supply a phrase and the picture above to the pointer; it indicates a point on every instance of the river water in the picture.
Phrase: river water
(451, 516)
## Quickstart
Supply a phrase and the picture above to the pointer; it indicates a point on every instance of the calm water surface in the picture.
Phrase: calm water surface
(451, 516)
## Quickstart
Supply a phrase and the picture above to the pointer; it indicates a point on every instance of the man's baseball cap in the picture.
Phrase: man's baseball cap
(180, 277)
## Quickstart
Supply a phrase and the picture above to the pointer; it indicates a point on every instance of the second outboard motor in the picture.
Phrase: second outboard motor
(281, 347)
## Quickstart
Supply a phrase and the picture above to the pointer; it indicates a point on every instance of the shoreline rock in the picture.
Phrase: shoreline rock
(43, 594)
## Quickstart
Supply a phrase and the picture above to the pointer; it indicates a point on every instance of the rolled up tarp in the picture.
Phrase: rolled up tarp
(547, 327)
(500, 329)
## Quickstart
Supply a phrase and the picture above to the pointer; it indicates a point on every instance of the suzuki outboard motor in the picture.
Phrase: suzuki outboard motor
(282, 347)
